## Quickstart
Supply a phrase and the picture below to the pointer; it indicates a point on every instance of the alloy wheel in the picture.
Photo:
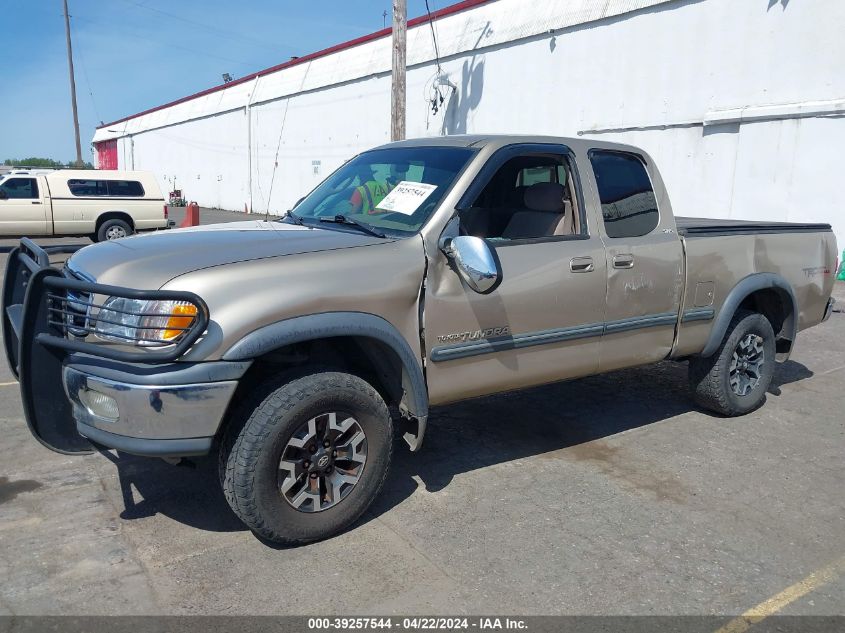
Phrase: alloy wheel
(115, 233)
(746, 364)
(322, 462)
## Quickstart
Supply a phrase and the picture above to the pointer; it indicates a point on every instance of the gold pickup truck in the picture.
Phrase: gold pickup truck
(419, 273)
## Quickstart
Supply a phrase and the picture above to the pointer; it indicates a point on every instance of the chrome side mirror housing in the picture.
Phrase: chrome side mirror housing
(475, 262)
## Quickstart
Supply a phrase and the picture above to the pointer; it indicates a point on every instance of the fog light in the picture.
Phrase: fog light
(99, 404)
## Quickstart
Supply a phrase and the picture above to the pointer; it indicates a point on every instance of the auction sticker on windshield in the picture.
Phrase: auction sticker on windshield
(406, 197)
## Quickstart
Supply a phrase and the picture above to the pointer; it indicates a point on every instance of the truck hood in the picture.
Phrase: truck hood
(150, 260)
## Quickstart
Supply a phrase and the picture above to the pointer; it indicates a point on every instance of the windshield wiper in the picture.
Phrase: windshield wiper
(342, 219)
(293, 218)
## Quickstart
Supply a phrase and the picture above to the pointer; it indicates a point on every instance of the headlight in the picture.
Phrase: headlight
(144, 322)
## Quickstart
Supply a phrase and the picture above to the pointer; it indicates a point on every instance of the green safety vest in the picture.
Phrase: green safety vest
(372, 193)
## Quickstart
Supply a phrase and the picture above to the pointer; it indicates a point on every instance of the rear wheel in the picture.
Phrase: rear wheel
(733, 381)
(307, 457)
(113, 229)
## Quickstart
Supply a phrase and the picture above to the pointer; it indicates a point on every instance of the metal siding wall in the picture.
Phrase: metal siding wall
(206, 158)
(649, 77)
(328, 126)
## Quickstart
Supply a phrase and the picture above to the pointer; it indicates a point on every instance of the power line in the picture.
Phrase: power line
(87, 81)
(225, 33)
(278, 147)
(433, 36)
(168, 43)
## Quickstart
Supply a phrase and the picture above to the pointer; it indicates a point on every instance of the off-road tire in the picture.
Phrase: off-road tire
(709, 377)
(114, 223)
(260, 429)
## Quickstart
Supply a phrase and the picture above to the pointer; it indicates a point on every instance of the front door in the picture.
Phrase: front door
(22, 207)
(644, 263)
(543, 323)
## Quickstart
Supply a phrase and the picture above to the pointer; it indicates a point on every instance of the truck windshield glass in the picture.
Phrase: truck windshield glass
(394, 190)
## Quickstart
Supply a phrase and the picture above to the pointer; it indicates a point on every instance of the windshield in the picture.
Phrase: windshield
(393, 190)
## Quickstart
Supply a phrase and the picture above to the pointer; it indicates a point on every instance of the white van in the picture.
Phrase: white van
(104, 205)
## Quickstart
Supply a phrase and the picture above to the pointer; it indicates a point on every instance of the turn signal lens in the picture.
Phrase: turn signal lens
(182, 316)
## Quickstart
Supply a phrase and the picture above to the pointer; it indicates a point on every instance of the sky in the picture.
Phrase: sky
(130, 55)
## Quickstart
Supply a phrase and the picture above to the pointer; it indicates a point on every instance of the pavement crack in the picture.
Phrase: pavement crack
(414, 548)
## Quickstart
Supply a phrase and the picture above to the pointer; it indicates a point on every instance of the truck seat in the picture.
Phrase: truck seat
(547, 213)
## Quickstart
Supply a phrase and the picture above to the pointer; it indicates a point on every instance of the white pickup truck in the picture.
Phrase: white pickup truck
(104, 205)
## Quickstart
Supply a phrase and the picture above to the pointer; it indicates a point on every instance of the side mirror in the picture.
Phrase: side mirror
(3, 195)
(476, 263)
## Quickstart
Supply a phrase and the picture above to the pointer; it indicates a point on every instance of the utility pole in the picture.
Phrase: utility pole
(72, 87)
(398, 93)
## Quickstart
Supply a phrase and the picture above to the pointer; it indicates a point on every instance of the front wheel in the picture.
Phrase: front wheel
(309, 459)
(734, 380)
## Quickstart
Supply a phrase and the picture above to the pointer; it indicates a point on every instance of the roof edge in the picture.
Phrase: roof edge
(440, 13)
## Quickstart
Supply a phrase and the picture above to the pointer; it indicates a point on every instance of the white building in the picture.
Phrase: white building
(741, 102)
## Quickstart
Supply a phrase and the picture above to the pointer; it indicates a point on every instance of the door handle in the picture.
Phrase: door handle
(623, 261)
(581, 264)
(36, 202)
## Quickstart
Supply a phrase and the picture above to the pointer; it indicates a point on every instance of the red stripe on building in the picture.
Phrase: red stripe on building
(106, 154)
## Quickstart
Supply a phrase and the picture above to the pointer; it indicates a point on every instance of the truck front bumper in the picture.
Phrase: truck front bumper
(147, 419)
(79, 395)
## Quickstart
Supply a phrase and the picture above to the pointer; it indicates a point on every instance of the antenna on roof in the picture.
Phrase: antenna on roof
(227, 78)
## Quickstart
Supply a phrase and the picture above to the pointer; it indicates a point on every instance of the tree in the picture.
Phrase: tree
(42, 163)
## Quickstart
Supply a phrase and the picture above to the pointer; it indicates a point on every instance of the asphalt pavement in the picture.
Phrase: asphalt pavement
(611, 495)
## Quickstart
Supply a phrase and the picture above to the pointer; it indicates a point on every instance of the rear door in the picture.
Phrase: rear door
(644, 261)
(24, 207)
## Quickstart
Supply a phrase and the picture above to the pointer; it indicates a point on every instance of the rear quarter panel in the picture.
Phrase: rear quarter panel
(715, 264)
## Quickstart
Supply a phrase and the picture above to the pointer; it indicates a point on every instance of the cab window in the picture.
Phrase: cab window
(628, 203)
(529, 197)
(20, 188)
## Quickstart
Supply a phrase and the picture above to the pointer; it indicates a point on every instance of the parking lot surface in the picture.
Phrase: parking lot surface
(608, 495)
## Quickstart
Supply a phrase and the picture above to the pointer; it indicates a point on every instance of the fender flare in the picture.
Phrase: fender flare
(98, 220)
(745, 287)
(333, 324)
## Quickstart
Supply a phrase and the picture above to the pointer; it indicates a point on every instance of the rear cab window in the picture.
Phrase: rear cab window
(628, 204)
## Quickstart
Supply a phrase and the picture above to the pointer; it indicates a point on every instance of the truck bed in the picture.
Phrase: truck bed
(705, 227)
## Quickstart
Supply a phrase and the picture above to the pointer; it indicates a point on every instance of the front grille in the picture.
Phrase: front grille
(63, 310)
(77, 306)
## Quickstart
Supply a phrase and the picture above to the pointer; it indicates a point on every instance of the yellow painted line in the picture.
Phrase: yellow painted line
(8, 384)
(818, 578)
